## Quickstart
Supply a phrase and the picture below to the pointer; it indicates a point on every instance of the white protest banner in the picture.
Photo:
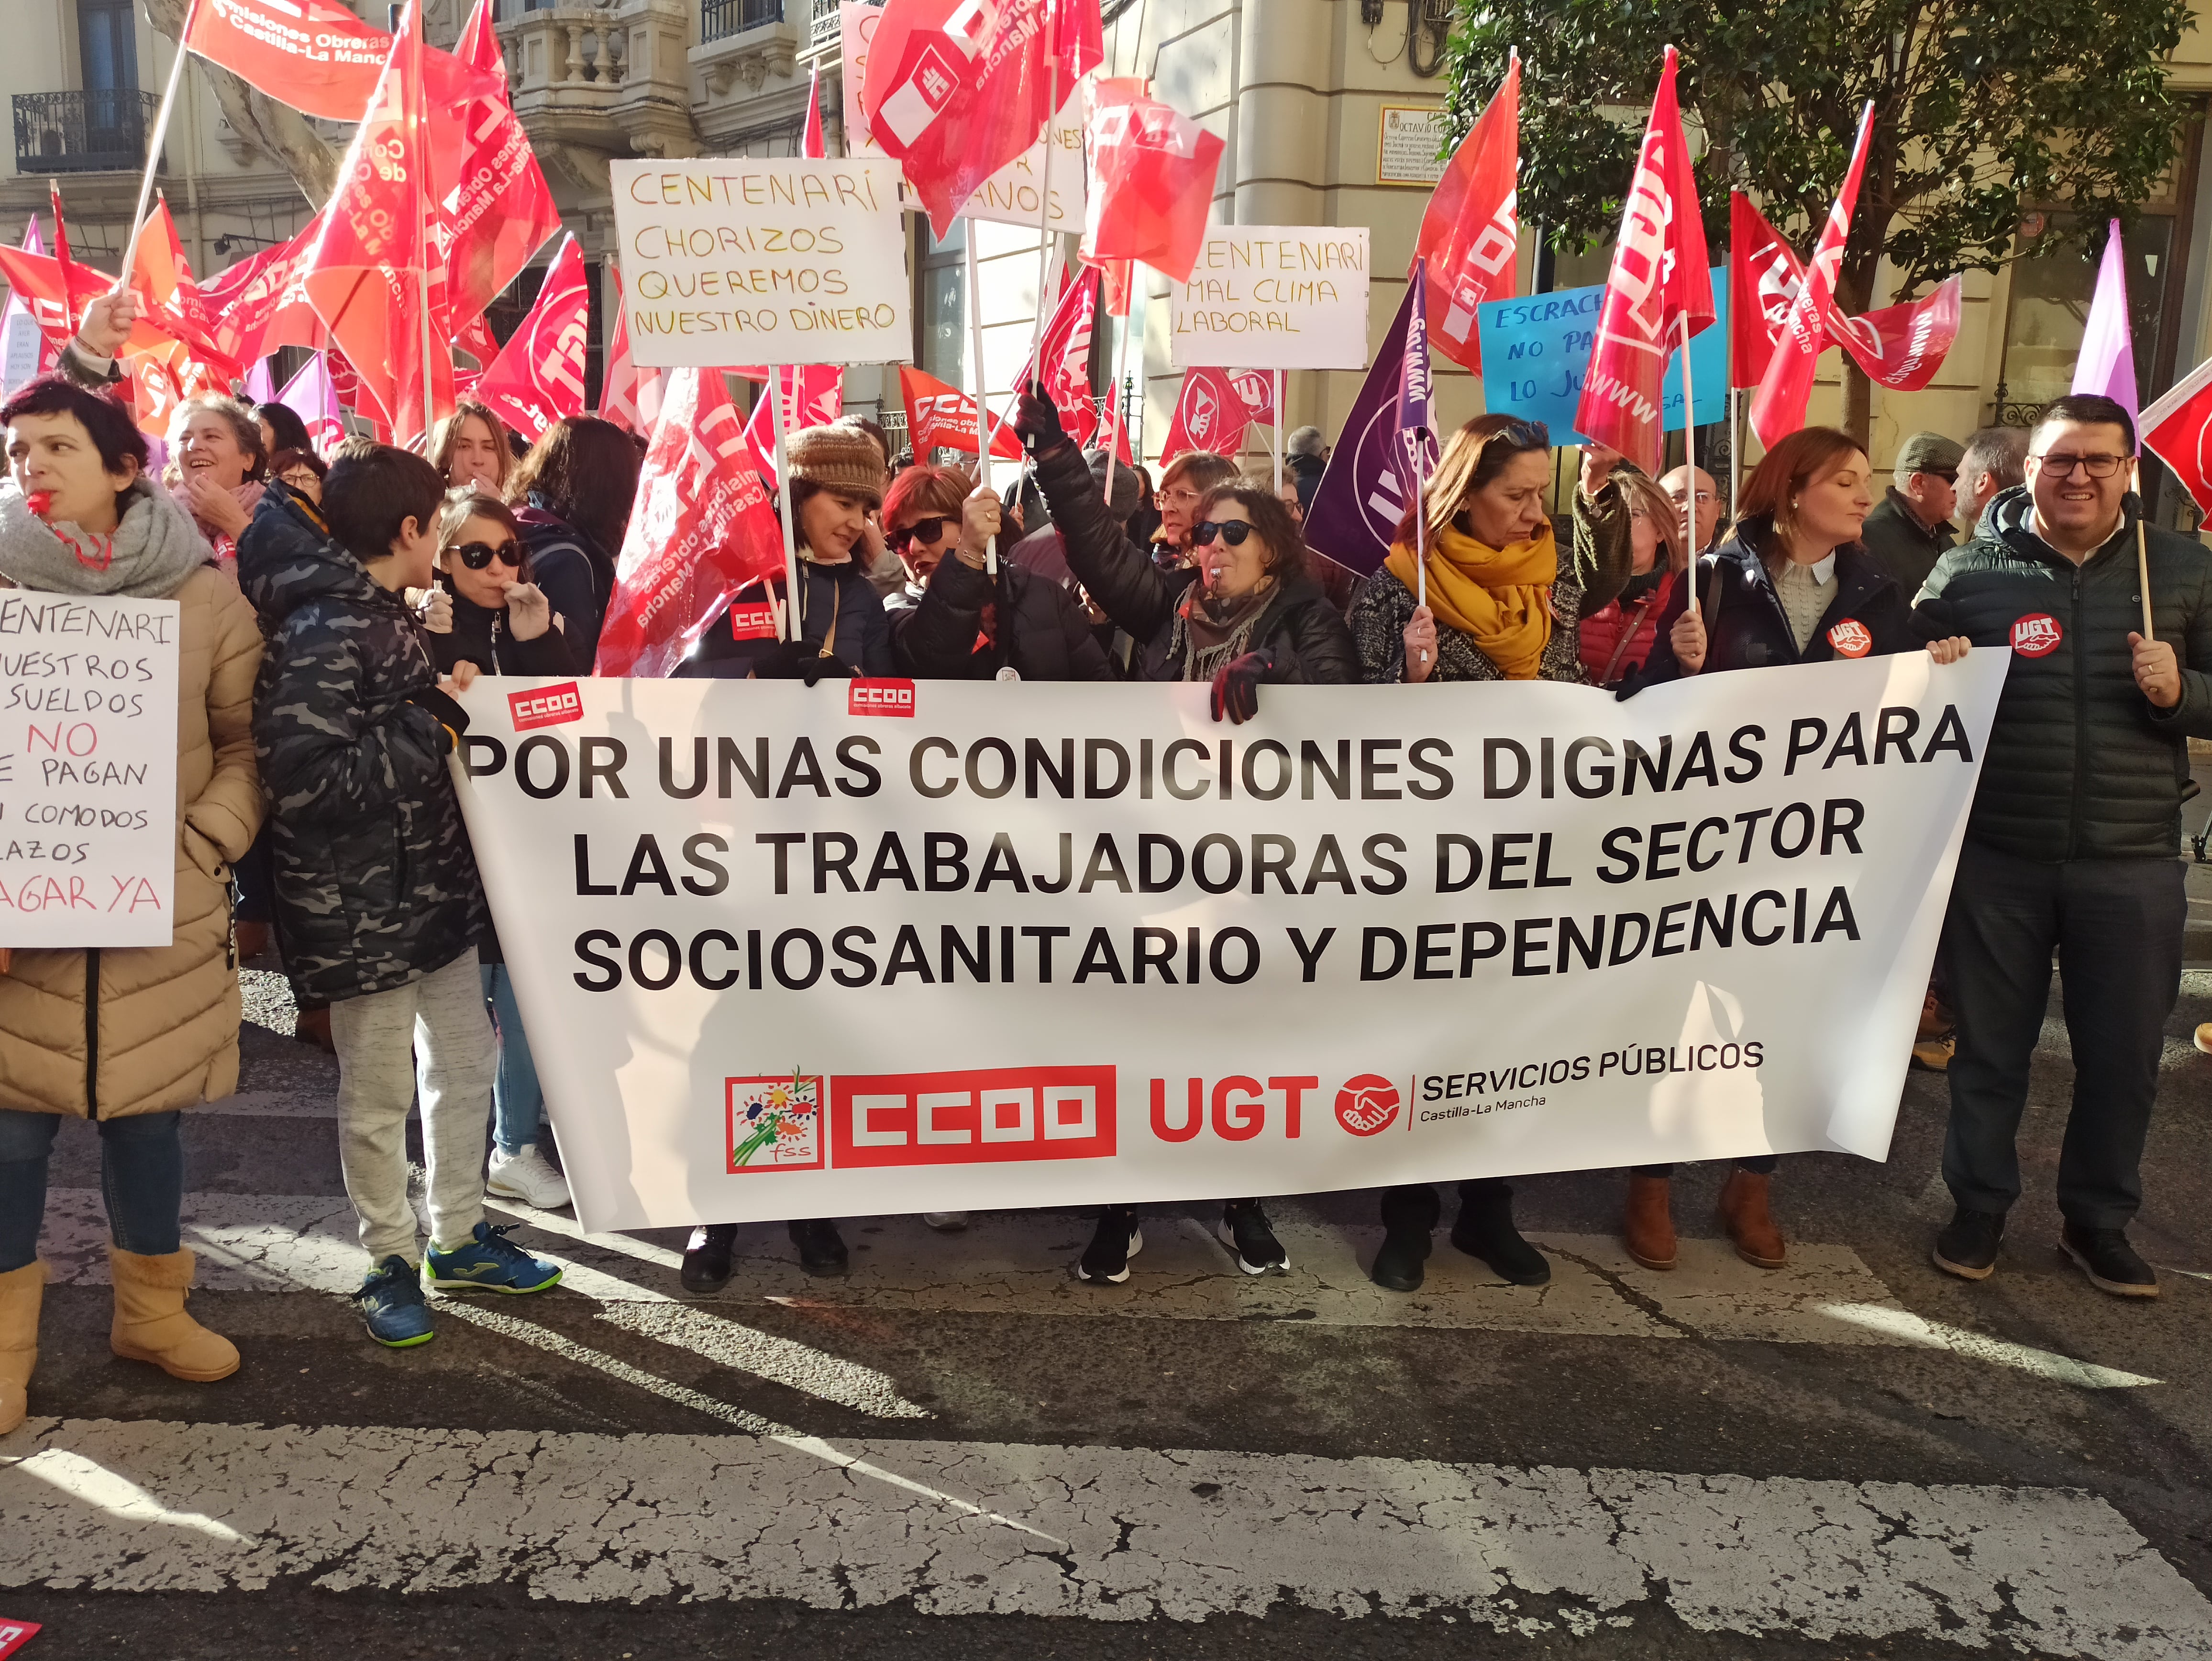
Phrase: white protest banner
(1273, 297)
(887, 946)
(736, 260)
(87, 769)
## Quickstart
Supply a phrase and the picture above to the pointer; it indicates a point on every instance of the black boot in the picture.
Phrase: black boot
(707, 1257)
(1409, 1214)
(821, 1248)
(1484, 1230)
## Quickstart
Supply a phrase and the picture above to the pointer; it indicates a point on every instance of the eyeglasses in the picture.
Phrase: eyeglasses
(2095, 467)
(1180, 496)
(1949, 475)
(1526, 434)
(922, 530)
(1704, 498)
(478, 555)
(1231, 531)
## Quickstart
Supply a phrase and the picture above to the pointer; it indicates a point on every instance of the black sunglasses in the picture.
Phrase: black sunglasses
(923, 530)
(478, 555)
(1232, 532)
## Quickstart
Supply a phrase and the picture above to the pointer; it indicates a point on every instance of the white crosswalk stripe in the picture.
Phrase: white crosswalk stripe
(1105, 1534)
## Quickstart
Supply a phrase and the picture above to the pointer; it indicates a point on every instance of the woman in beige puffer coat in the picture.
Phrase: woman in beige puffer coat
(126, 1036)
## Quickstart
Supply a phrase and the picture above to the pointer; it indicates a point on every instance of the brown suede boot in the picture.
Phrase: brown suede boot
(1744, 1214)
(22, 1290)
(1648, 1224)
(150, 1323)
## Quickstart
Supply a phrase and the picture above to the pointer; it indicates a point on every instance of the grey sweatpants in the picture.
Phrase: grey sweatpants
(379, 1036)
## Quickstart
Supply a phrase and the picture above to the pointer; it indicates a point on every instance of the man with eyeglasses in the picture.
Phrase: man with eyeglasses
(1911, 526)
(2073, 842)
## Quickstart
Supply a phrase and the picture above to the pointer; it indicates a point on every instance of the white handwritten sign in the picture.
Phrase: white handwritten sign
(737, 260)
(1273, 297)
(87, 769)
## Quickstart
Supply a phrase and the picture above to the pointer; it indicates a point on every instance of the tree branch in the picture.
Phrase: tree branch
(277, 131)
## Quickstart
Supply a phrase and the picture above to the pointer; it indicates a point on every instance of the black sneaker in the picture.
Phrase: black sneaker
(1243, 1229)
(1485, 1230)
(1967, 1247)
(2112, 1264)
(1118, 1239)
(821, 1248)
(1397, 1265)
(707, 1257)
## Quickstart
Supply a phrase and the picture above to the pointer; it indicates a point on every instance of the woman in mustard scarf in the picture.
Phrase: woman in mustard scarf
(1502, 606)
(1502, 603)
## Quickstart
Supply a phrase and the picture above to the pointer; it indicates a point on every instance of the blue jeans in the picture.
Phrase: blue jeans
(142, 1178)
(515, 1098)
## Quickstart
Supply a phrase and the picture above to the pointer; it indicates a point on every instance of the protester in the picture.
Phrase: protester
(836, 482)
(572, 495)
(1144, 519)
(886, 572)
(1495, 579)
(470, 448)
(221, 463)
(1186, 482)
(1293, 504)
(1617, 636)
(1993, 460)
(2071, 844)
(1248, 612)
(1912, 526)
(378, 902)
(281, 428)
(1305, 459)
(1677, 484)
(126, 1036)
(498, 622)
(302, 470)
(1791, 585)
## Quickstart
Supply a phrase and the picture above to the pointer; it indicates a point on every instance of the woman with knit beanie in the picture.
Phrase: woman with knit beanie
(1502, 606)
(125, 1037)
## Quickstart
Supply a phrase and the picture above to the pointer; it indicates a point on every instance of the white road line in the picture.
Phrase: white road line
(1015, 1263)
(1128, 1533)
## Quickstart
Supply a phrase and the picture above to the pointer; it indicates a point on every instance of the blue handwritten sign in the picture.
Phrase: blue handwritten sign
(1536, 350)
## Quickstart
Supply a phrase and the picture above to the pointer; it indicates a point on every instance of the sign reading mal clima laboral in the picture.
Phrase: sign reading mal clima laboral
(730, 260)
(1273, 297)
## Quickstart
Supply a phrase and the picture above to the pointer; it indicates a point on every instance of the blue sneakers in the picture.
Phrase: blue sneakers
(489, 1262)
(391, 1302)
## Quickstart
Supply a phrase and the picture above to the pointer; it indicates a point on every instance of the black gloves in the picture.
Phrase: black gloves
(1237, 685)
(1036, 423)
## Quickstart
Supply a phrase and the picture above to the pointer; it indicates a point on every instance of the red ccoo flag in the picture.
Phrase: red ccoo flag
(2178, 430)
(1659, 283)
(1063, 359)
(261, 303)
(812, 394)
(1151, 180)
(1777, 409)
(701, 530)
(315, 55)
(1471, 234)
(629, 396)
(1208, 416)
(538, 376)
(500, 210)
(939, 416)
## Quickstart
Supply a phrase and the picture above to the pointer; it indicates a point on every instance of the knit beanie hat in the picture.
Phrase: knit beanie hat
(1122, 499)
(840, 459)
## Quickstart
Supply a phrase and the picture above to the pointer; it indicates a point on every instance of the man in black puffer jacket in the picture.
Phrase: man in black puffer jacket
(2073, 841)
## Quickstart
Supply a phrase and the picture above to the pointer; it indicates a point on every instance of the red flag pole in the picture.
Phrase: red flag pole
(63, 263)
(153, 151)
(775, 374)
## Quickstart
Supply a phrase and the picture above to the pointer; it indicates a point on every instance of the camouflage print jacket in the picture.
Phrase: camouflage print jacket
(376, 885)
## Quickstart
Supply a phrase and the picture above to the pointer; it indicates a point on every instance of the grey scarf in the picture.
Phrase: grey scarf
(154, 548)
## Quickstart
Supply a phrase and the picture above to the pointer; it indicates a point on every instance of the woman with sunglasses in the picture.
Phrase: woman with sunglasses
(1503, 604)
(502, 623)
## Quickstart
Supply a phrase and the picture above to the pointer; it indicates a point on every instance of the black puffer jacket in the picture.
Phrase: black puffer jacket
(1304, 631)
(1746, 627)
(577, 574)
(480, 637)
(375, 882)
(1046, 635)
(2080, 765)
(838, 606)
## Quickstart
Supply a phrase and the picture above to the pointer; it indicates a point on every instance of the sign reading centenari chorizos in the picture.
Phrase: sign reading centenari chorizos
(887, 946)
(737, 260)
(1273, 297)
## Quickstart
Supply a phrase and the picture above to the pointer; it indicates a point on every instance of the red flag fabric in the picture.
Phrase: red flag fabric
(2178, 430)
(476, 338)
(261, 303)
(941, 416)
(70, 309)
(1257, 388)
(49, 354)
(375, 270)
(1902, 346)
(1470, 235)
(958, 89)
(812, 394)
(162, 277)
(1777, 408)
(1659, 280)
(478, 46)
(538, 376)
(1116, 276)
(1764, 277)
(315, 55)
(629, 396)
(1063, 358)
(701, 530)
(37, 279)
(500, 210)
(812, 144)
(1208, 416)
(1151, 180)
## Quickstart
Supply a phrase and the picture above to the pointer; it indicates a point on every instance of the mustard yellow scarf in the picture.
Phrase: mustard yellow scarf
(1500, 597)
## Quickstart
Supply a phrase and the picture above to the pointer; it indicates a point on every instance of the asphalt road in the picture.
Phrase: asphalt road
(959, 1453)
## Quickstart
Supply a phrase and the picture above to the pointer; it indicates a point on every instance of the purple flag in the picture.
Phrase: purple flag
(311, 397)
(259, 389)
(1362, 496)
(2107, 363)
(1416, 385)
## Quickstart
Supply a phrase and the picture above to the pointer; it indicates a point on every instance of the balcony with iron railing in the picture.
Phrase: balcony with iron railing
(720, 19)
(100, 131)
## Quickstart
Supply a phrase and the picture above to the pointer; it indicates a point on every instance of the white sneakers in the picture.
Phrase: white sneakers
(528, 1176)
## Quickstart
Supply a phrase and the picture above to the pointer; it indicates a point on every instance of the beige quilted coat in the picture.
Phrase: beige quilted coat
(165, 1031)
